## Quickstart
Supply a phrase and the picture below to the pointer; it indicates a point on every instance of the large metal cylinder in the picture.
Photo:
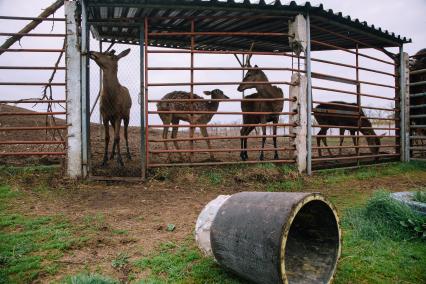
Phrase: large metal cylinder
(271, 237)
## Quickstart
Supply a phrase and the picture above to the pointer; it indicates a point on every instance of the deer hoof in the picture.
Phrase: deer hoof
(129, 157)
(120, 163)
(276, 157)
(261, 157)
(104, 163)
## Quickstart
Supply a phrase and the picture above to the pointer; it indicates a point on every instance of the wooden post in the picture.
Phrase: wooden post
(73, 92)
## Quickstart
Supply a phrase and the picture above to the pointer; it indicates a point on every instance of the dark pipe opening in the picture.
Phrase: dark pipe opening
(312, 245)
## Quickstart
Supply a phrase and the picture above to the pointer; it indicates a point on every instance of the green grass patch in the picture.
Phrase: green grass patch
(29, 245)
(89, 279)
(420, 195)
(182, 264)
(377, 248)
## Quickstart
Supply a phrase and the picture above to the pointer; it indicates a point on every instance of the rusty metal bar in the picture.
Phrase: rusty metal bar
(418, 137)
(219, 112)
(221, 150)
(353, 52)
(221, 69)
(30, 84)
(379, 108)
(31, 113)
(221, 163)
(417, 95)
(353, 93)
(418, 148)
(219, 34)
(421, 83)
(221, 138)
(339, 136)
(32, 154)
(212, 17)
(31, 68)
(418, 106)
(32, 101)
(32, 35)
(35, 128)
(33, 19)
(354, 115)
(335, 104)
(355, 157)
(416, 72)
(32, 142)
(221, 100)
(353, 127)
(173, 51)
(418, 116)
(346, 80)
(353, 146)
(346, 37)
(215, 83)
(351, 66)
(418, 126)
(222, 125)
(30, 50)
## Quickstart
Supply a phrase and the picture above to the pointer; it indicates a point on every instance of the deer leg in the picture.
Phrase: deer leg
(126, 126)
(355, 140)
(341, 138)
(274, 131)
(165, 134)
(206, 135)
(175, 129)
(243, 153)
(263, 121)
(117, 142)
(113, 143)
(191, 143)
(322, 131)
(106, 130)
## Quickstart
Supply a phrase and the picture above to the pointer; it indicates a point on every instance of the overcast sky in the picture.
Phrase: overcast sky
(394, 15)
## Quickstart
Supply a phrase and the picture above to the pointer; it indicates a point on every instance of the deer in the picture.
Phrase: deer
(115, 102)
(168, 105)
(264, 91)
(323, 114)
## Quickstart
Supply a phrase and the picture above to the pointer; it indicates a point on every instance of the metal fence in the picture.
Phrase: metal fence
(418, 106)
(32, 100)
(173, 101)
(363, 100)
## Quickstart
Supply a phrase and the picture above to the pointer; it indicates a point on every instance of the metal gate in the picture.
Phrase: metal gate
(33, 100)
(221, 134)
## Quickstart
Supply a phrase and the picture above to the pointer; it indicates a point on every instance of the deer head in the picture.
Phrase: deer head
(108, 60)
(216, 94)
(375, 141)
(253, 75)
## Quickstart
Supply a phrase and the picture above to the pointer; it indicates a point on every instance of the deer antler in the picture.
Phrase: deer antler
(247, 63)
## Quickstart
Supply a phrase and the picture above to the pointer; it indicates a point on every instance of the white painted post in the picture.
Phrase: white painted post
(405, 106)
(73, 92)
(298, 104)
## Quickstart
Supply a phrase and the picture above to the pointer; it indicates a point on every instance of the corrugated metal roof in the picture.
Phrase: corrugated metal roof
(119, 20)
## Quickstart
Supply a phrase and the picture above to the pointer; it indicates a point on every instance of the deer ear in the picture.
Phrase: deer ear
(123, 53)
(207, 93)
(255, 66)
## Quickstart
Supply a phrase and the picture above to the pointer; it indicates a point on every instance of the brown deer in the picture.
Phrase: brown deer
(115, 101)
(323, 114)
(264, 91)
(174, 118)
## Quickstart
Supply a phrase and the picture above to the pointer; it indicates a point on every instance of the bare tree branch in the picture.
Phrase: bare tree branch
(32, 25)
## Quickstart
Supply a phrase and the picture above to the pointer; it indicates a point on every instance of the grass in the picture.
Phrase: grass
(30, 245)
(377, 248)
(420, 196)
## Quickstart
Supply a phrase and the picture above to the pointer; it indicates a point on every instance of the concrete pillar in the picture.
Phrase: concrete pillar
(73, 92)
(298, 105)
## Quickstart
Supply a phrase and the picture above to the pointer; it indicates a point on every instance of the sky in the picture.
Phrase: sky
(393, 15)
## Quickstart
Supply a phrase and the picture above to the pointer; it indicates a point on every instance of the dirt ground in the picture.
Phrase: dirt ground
(133, 217)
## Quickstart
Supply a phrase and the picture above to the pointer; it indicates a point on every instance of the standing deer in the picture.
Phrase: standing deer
(115, 102)
(205, 105)
(323, 115)
(264, 91)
